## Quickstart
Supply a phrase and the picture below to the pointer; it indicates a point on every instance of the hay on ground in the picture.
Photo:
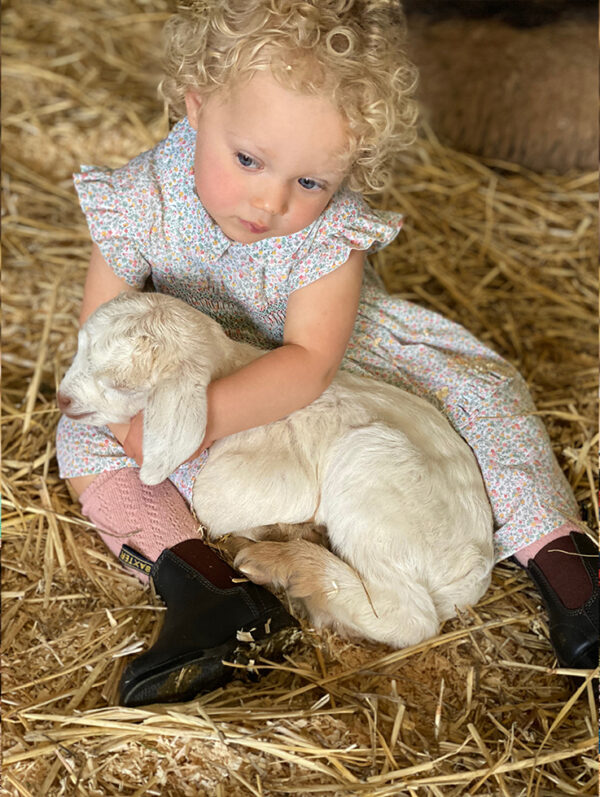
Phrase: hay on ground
(482, 708)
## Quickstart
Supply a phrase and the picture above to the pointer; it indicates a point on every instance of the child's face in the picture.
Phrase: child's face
(268, 160)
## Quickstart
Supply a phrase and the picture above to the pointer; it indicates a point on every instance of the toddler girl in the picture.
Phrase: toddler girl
(252, 211)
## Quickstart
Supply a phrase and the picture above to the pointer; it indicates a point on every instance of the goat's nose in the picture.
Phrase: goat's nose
(64, 402)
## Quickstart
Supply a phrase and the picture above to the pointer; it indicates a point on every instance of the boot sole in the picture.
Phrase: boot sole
(186, 677)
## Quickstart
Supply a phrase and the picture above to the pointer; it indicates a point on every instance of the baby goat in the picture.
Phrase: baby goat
(408, 522)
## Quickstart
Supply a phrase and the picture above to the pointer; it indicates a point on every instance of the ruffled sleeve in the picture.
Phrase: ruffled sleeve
(348, 223)
(121, 207)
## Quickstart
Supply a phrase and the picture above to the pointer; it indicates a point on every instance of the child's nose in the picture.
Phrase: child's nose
(273, 199)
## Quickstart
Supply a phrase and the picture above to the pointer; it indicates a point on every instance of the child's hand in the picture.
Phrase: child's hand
(132, 444)
(119, 431)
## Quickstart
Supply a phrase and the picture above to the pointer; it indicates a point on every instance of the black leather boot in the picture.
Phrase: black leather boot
(209, 620)
(574, 633)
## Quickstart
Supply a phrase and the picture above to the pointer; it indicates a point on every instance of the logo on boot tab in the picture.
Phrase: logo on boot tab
(131, 558)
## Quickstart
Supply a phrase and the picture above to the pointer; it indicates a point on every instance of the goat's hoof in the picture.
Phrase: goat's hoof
(251, 566)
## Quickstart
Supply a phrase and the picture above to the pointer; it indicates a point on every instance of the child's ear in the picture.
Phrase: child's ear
(193, 106)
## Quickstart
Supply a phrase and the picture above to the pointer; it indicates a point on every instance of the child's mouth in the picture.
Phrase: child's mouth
(257, 229)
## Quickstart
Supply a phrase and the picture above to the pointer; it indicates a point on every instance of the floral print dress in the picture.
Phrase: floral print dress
(148, 222)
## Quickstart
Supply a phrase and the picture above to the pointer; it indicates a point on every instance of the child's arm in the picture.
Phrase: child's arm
(102, 284)
(319, 321)
(318, 325)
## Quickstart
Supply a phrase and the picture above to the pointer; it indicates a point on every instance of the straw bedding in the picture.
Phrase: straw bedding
(481, 709)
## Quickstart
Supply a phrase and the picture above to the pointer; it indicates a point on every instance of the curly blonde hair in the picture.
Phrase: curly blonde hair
(351, 51)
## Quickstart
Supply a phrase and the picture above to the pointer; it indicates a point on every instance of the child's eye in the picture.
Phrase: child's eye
(246, 161)
(309, 184)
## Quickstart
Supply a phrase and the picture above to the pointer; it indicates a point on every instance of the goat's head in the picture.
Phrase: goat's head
(134, 354)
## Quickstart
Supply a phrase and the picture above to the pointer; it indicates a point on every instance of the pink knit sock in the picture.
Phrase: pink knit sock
(147, 518)
(527, 553)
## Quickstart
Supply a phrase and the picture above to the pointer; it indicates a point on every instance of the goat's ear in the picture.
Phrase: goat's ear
(174, 427)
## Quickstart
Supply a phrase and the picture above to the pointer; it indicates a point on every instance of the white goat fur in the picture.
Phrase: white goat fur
(408, 521)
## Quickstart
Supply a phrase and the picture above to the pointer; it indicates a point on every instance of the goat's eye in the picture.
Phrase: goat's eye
(108, 384)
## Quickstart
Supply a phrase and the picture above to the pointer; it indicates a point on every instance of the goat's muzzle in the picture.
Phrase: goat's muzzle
(64, 402)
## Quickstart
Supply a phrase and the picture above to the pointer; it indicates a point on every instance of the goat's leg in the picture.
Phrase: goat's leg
(284, 532)
(337, 596)
(231, 544)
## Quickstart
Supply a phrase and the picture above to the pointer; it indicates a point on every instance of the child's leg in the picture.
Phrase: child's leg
(489, 404)
(124, 511)
(145, 518)
(522, 475)
(206, 607)
(562, 561)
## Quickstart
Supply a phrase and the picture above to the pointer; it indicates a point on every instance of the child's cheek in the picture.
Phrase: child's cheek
(218, 190)
(306, 210)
